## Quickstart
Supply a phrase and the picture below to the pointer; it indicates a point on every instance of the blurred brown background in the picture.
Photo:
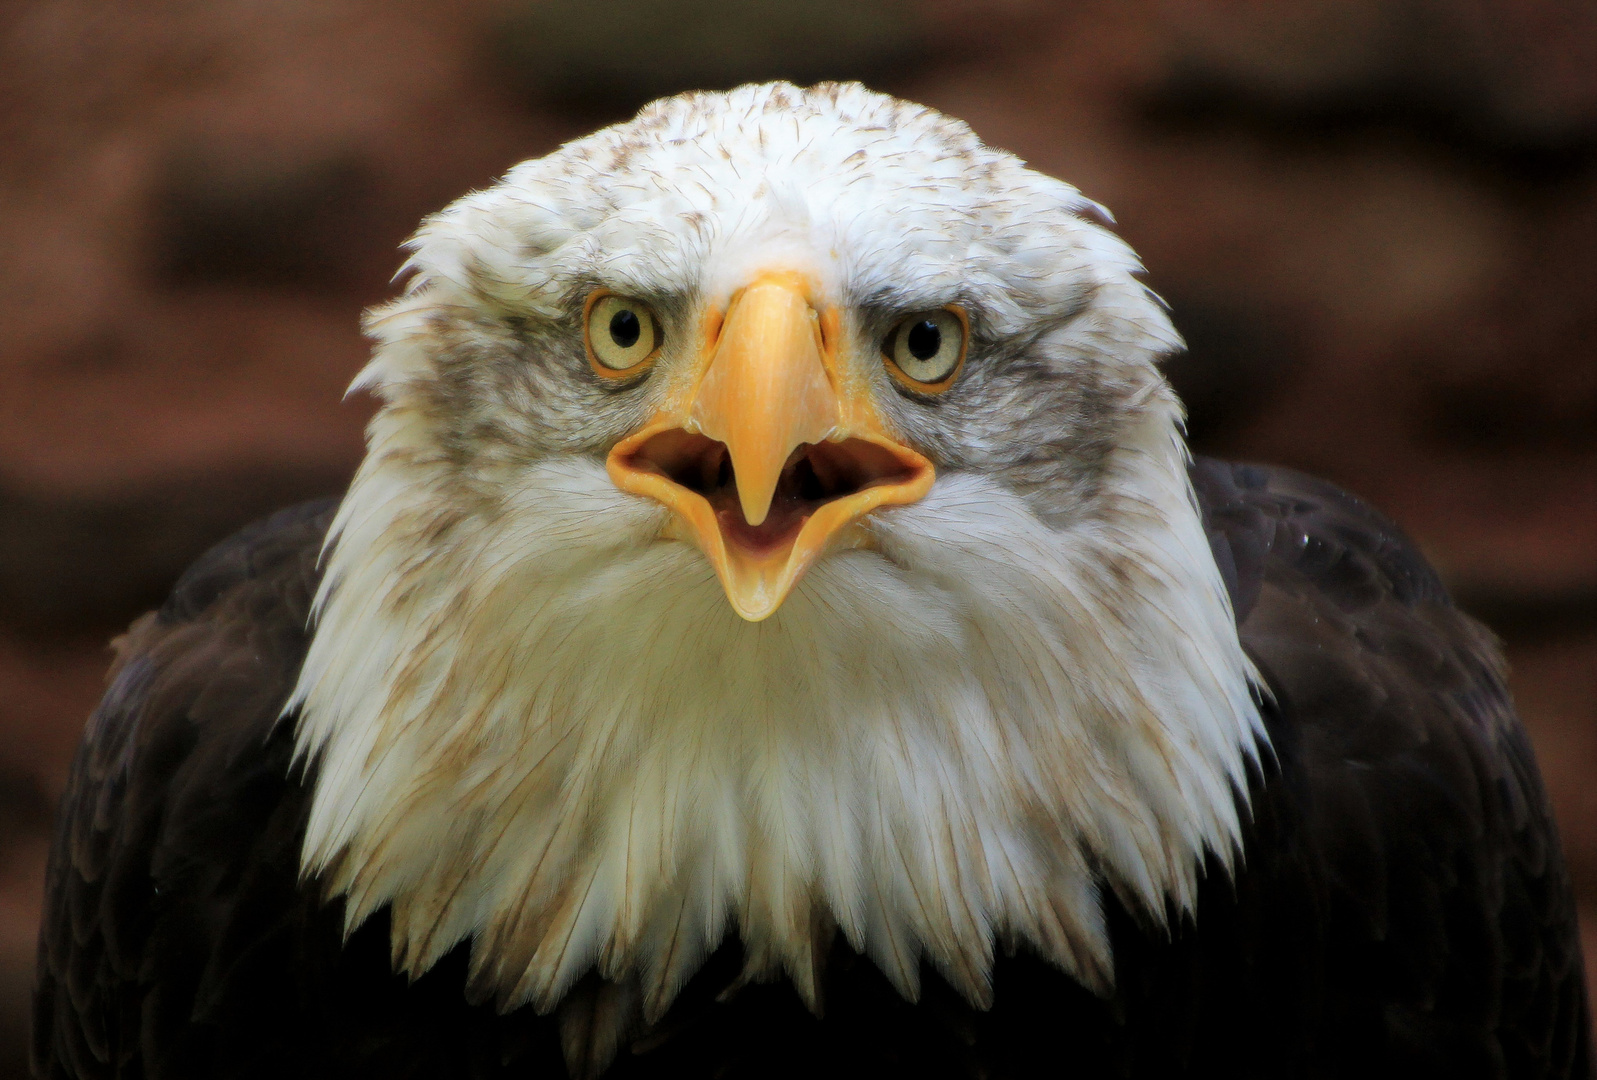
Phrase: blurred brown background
(1376, 221)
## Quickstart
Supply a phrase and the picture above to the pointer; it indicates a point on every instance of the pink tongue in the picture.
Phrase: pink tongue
(779, 528)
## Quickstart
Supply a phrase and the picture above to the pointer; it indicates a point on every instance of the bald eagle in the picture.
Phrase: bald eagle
(778, 630)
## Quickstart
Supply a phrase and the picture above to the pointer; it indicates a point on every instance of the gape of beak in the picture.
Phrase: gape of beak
(813, 476)
(771, 455)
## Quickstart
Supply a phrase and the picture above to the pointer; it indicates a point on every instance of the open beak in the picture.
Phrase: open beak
(766, 461)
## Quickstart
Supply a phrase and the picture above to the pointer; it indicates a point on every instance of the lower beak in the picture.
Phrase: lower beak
(766, 463)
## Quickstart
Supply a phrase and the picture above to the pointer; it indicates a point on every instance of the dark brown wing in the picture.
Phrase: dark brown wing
(1404, 789)
(134, 898)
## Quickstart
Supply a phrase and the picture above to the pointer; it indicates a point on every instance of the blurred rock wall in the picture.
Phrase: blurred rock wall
(1376, 221)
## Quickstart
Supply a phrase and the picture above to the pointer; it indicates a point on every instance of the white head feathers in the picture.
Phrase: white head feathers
(538, 722)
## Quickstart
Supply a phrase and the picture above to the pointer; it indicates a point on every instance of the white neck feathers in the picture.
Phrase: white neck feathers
(539, 725)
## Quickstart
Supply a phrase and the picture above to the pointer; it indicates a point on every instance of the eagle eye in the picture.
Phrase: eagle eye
(622, 334)
(925, 350)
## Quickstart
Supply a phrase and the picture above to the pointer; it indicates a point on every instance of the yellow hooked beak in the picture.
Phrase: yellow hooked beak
(772, 455)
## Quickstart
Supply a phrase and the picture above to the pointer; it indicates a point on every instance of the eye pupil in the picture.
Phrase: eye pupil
(625, 328)
(923, 340)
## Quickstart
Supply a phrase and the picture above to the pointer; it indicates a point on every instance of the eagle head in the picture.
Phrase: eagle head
(776, 524)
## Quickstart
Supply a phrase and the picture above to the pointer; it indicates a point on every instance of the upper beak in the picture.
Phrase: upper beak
(766, 461)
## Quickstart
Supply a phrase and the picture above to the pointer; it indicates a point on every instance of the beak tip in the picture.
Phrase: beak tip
(755, 515)
(756, 609)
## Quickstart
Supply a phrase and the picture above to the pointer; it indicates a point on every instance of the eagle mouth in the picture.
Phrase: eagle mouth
(814, 475)
(771, 454)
